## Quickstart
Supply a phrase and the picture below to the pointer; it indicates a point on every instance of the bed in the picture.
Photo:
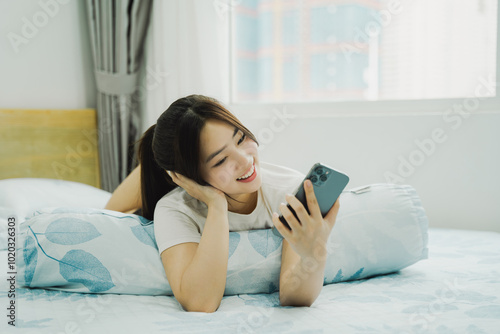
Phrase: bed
(455, 290)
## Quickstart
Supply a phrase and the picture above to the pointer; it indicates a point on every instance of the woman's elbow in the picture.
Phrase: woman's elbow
(201, 309)
(296, 304)
(294, 301)
(206, 307)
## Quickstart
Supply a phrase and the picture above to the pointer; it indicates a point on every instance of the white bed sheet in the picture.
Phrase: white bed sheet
(456, 290)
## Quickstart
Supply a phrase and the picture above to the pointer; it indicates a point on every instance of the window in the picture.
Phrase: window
(361, 50)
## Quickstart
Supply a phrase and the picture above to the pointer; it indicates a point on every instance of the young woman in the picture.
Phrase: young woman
(200, 178)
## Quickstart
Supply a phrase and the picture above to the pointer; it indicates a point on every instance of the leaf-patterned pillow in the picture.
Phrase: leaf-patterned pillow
(90, 250)
(379, 230)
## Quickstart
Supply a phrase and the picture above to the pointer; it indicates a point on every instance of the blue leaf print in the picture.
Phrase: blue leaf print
(144, 221)
(144, 237)
(261, 300)
(273, 287)
(150, 230)
(70, 231)
(234, 240)
(274, 240)
(82, 267)
(264, 241)
(356, 274)
(339, 276)
(30, 255)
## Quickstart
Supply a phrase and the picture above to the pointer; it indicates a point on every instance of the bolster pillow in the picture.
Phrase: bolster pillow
(380, 228)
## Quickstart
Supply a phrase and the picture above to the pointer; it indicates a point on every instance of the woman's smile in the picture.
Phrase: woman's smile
(249, 176)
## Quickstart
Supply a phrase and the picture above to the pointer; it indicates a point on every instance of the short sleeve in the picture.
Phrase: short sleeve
(173, 227)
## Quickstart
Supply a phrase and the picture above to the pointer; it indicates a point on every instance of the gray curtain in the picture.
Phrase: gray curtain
(117, 32)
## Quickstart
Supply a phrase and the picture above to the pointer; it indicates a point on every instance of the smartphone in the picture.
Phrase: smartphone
(328, 184)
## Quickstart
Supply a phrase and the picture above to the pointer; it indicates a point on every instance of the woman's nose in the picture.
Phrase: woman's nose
(243, 161)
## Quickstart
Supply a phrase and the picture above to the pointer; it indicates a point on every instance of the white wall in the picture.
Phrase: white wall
(458, 182)
(49, 64)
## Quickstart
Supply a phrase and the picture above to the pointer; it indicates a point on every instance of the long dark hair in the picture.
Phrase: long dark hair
(173, 144)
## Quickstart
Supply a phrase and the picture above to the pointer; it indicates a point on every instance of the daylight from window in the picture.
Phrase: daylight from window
(324, 50)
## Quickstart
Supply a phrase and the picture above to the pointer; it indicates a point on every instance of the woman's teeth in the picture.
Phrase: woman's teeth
(247, 174)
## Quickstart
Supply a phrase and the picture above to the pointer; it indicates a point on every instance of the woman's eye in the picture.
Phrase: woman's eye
(242, 139)
(239, 143)
(220, 162)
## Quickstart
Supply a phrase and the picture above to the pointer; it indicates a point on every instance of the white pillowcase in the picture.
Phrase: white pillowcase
(19, 197)
(380, 229)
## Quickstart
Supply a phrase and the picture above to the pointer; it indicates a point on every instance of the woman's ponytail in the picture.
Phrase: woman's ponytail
(154, 184)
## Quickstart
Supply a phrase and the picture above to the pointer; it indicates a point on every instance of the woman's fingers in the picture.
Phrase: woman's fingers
(312, 206)
(312, 202)
(282, 229)
(179, 179)
(171, 174)
(299, 209)
(205, 194)
(331, 216)
(289, 217)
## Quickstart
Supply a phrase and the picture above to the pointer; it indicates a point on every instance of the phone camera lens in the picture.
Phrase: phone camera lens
(320, 171)
(323, 177)
(314, 179)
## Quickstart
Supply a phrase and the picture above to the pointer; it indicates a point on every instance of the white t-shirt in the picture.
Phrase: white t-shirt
(180, 218)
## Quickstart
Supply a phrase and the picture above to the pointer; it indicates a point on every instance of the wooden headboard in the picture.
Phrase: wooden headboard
(54, 144)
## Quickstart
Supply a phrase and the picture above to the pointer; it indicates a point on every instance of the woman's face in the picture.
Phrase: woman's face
(228, 155)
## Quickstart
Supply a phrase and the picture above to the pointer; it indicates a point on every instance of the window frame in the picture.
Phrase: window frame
(346, 108)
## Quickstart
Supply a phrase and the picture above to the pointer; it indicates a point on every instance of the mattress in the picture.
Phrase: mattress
(455, 290)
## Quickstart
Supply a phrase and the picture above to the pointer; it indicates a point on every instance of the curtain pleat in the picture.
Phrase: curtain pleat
(117, 29)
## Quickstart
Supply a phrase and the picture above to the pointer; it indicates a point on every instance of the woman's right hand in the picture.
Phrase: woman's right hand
(207, 194)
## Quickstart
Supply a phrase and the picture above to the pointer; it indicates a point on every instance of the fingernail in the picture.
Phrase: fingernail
(168, 172)
(308, 183)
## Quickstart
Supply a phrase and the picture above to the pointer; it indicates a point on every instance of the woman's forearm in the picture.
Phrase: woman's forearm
(301, 282)
(204, 281)
(127, 196)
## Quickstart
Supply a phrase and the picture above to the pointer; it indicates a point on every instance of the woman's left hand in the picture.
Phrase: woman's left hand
(312, 230)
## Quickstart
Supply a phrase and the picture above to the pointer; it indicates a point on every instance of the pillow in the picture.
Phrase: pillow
(19, 197)
(380, 229)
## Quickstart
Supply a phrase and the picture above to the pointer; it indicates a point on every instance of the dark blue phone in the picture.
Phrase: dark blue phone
(328, 184)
